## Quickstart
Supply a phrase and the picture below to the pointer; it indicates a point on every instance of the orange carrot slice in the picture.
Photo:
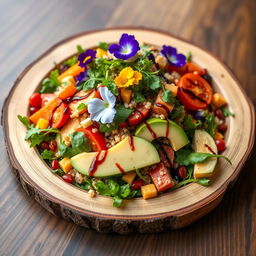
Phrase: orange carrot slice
(72, 71)
(67, 91)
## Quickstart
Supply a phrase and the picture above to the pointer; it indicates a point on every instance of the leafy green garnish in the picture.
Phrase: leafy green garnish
(36, 135)
(81, 106)
(189, 56)
(59, 171)
(151, 81)
(210, 124)
(79, 49)
(140, 175)
(187, 157)
(177, 111)
(190, 123)
(168, 97)
(103, 46)
(71, 61)
(50, 84)
(203, 182)
(122, 114)
(117, 201)
(226, 112)
(79, 144)
(48, 155)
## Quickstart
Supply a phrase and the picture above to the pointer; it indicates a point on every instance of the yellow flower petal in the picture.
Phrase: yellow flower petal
(137, 77)
(127, 77)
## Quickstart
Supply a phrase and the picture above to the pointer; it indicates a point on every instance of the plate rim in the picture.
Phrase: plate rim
(199, 204)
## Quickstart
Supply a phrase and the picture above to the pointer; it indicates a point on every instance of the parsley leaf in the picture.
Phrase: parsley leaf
(48, 155)
(168, 97)
(186, 157)
(50, 84)
(103, 46)
(226, 112)
(152, 81)
(122, 114)
(117, 201)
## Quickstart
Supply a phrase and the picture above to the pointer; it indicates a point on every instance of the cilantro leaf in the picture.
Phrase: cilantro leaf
(79, 49)
(117, 201)
(226, 112)
(48, 155)
(50, 84)
(152, 81)
(168, 97)
(24, 120)
(71, 61)
(122, 114)
(187, 157)
(103, 45)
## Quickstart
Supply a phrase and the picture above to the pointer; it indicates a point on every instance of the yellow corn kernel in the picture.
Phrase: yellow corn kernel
(173, 88)
(218, 136)
(100, 53)
(42, 123)
(68, 80)
(148, 191)
(65, 164)
(129, 177)
(218, 101)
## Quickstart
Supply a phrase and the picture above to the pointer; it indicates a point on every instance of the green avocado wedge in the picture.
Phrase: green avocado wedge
(129, 154)
(156, 127)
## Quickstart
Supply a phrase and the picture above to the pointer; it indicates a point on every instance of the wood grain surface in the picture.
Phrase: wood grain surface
(226, 28)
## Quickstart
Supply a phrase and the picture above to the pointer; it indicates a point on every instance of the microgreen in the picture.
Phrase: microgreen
(50, 84)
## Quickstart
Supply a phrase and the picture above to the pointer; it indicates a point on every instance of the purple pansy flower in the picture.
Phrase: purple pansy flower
(103, 110)
(82, 76)
(86, 57)
(127, 47)
(173, 58)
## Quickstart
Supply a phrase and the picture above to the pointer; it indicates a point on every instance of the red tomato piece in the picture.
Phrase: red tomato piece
(55, 164)
(60, 115)
(187, 68)
(97, 139)
(68, 178)
(138, 115)
(35, 100)
(221, 145)
(194, 92)
(46, 98)
(182, 172)
(161, 178)
(137, 184)
(33, 110)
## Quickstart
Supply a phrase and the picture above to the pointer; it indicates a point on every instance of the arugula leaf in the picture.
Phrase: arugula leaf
(226, 112)
(122, 114)
(117, 201)
(59, 171)
(81, 106)
(210, 124)
(48, 155)
(189, 56)
(71, 61)
(79, 144)
(50, 84)
(25, 121)
(168, 97)
(203, 182)
(103, 45)
(79, 49)
(187, 157)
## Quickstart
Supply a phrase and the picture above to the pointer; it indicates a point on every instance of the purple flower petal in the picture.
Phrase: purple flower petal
(127, 48)
(86, 57)
(82, 76)
(170, 53)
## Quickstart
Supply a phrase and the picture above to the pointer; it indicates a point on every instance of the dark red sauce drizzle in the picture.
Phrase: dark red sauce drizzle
(163, 106)
(210, 149)
(77, 98)
(97, 162)
(150, 130)
(120, 168)
(131, 142)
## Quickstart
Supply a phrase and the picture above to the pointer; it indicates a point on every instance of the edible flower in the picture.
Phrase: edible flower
(173, 58)
(82, 76)
(103, 110)
(86, 57)
(127, 77)
(127, 47)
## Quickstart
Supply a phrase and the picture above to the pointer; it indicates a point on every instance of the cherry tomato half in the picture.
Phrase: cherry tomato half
(35, 100)
(187, 68)
(221, 145)
(138, 115)
(194, 92)
(46, 98)
(60, 115)
(96, 138)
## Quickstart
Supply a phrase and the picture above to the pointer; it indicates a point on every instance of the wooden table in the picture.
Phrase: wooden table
(226, 28)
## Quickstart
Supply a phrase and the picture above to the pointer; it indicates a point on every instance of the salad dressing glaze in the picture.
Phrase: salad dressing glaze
(120, 168)
(97, 161)
(150, 130)
(131, 143)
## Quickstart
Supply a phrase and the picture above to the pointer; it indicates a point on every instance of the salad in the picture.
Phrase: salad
(128, 120)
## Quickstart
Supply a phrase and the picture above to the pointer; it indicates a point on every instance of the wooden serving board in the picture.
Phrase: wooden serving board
(171, 210)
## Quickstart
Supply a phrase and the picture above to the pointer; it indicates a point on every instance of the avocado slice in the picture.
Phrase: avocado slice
(204, 143)
(129, 154)
(156, 127)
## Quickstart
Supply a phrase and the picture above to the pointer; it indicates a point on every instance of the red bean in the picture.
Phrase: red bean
(35, 100)
(44, 145)
(55, 164)
(222, 127)
(33, 110)
(219, 114)
(137, 184)
(53, 145)
(221, 145)
(68, 178)
(182, 172)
